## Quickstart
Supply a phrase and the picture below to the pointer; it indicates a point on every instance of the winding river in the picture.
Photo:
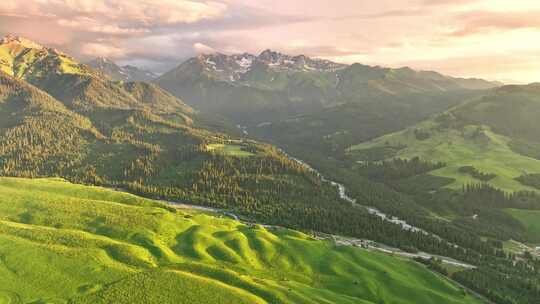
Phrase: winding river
(344, 196)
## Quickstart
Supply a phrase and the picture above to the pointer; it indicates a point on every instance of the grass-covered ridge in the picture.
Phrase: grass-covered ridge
(62, 242)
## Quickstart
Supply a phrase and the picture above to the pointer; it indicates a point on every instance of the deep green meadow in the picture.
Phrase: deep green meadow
(66, 243)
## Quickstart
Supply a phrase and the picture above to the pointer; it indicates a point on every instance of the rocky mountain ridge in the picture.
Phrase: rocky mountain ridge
(121, 73)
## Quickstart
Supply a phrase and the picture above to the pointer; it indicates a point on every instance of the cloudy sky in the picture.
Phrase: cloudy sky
(493, 39)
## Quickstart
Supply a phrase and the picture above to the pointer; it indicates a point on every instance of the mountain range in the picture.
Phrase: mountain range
(456, 158)
(136, 136)
(120, 73)
(325, 106)
(271, 86)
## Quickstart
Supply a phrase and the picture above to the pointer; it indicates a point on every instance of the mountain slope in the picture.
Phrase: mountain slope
(362, 80)
(272, 86)
(110, 145)
(120, 73)
(28, 60)
(496, 134)
(38, 134)
(154, 97)
(469, 145)
(111, 247)
(311, 106)
(78, 86)
(512, 111)
(251, 89)
(475, 166)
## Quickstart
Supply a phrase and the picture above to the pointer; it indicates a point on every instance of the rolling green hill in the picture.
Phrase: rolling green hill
(495, 134)
(61, 241)
(471, 145)
(531, 220)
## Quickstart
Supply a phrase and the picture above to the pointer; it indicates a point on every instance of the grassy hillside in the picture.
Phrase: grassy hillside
(496, 135)
(471, 145)
(531, 220)
(330, 131)
(510, 110)
(61, 241)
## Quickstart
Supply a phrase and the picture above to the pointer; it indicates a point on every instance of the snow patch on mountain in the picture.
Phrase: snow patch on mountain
(232, 68)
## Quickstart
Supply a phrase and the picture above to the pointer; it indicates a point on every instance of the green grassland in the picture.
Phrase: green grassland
(61, 242)
(471, 145)
(228, 149)
(515, 247)
(531, 220)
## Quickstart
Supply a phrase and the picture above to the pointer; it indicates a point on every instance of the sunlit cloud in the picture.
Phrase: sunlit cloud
(481, 21)
(102, 50)
(133, 11)
(87, 24)
(445, 35)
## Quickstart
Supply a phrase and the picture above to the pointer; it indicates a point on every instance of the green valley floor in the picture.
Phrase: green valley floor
(66, 243)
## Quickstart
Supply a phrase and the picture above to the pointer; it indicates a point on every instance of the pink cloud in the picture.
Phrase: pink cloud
(92, 25)
(480, 21)
(139, 11)
(447, 2)
(384, 32)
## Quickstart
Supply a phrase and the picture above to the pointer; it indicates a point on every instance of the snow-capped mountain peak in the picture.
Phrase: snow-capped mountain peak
(232, 67)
